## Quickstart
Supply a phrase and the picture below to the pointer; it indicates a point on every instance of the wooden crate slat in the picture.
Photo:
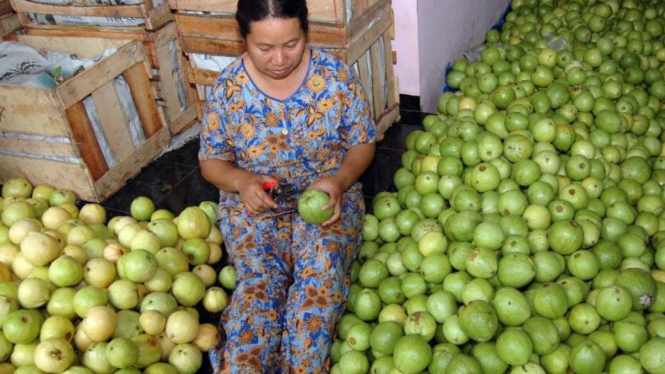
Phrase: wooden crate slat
(85, 139)
(144, 99)
(40, 147)
(385, 120)
(169, 81)
(153, 17)
(212, 46)
(42, 171)
(366, 78)
(368, 31)
(378, 77)
(84, 47)
(226, 28)
(323, 11)
(186, 118)
(393, 93)
(158, 16)
(27, 105)
(203, 77)
(5, 7)
(77, 88)
(113, 120)
(102, 40)
(9, 23)
(130, 11)
(131, 166)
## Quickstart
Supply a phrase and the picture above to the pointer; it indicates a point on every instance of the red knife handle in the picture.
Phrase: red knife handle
(268, 185)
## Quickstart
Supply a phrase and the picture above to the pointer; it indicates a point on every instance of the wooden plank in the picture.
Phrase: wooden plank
(84, 136)
(5, 7)
(27, 23)
(108, 39)
(199, 109)
(226, 28)
(355, 8)
(393, 93)
(156, 17)
(221, 27)
(184, 121)
(386, 120)
(32, 111)
(26, 6)
(378, 76)
(9, 23)
(323, 11)
(212, 46)
(60, 32)
(144, 99)
(113, 120)
(41, 147)
(164, 35)
(202, 76)
(72, 177)
(366, 78)
(367, 29)
(217, 6)
(168, 76)
(131, 166)
(85, 47)
(327, 11)
(190, 89)
(75, 89)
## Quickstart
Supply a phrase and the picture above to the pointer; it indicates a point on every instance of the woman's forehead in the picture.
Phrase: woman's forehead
(275, 28)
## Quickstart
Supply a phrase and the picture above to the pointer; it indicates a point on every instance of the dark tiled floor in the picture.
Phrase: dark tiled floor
(174, 180)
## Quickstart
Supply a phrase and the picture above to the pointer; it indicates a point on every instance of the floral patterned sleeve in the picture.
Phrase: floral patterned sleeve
(215, 142)
(358, 126)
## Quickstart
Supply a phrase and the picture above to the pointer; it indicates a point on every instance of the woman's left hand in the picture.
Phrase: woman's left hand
(335, 189)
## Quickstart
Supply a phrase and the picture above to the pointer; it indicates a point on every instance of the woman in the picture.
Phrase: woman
(285, 112)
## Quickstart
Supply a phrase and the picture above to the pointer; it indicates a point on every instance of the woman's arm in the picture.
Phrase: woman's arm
(225, 176)
(354, 165)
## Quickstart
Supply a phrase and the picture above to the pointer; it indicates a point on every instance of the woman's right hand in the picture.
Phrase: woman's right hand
(252, 194)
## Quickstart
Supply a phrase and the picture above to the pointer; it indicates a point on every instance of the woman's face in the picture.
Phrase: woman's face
(276, 46)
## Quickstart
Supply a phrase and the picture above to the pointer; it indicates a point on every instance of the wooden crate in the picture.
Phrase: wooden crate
(166, 80)
(337, 13)
(364, 45)
(8, 25)
(153, 16)
(38, 122)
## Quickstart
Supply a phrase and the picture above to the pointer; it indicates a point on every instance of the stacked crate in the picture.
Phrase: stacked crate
(149, 22)
(357, 31)
(46, 134)
(9, 22)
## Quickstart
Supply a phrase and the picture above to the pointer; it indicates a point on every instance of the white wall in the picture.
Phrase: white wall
(443, 30)
(406, 44)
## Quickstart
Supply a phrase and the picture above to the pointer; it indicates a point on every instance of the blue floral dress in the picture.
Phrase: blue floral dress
(292, 276)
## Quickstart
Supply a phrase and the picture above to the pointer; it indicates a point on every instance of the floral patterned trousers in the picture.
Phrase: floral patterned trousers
(292, 283)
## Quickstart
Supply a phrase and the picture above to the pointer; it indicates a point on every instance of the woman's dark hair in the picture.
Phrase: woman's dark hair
(256, 10)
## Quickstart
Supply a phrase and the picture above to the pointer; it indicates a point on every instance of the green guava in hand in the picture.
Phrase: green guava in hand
(310, 204)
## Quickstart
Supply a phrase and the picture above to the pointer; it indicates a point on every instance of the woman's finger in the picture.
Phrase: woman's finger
(331, 202)
(337, 213)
